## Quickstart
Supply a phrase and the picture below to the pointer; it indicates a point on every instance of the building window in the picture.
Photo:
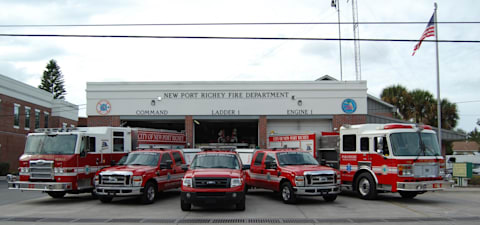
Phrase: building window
(45, 115)
(27, 118)
(16, 116)
(37, 118)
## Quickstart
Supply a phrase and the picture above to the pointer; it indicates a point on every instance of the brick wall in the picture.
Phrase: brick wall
(339, 120)
(57, 121)
(100, 121)
(262, 131)
(12, 140)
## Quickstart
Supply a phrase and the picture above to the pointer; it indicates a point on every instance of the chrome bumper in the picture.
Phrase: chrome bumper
(318, 191)
(39, 186)
(436, 185)
(118, 191)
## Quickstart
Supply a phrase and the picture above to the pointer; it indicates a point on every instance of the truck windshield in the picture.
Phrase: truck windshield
(141, 159)
(227, 161)
(408, 144)
(51, 144)
(295, 158)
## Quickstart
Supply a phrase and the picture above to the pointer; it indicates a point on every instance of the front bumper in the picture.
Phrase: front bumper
(118, 191)
(205, 198)
(39, 186)
(436, 185)
(317, 191)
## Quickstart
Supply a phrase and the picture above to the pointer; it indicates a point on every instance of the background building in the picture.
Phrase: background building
(23, 109)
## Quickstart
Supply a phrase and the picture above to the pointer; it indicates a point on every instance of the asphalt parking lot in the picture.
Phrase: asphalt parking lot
(459, 206)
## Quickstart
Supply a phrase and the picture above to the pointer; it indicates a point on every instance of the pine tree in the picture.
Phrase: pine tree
(52, 80)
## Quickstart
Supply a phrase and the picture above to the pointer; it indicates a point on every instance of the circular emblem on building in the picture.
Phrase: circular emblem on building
(349, 106)
(103, 107)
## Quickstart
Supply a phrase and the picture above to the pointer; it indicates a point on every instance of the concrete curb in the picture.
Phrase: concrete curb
(3, 177)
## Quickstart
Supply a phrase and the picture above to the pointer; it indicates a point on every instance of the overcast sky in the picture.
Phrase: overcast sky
(107, 59)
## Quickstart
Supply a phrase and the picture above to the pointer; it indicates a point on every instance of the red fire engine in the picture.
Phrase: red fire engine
(60, 161)
(375, 158)
(214, 176)
(142, 173)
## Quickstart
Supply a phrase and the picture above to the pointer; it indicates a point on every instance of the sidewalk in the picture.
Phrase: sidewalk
(472, 188)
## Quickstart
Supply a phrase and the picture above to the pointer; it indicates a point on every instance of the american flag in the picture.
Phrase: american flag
(429, 32)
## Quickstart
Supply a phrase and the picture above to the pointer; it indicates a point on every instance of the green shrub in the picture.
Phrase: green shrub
(4, 168)
(475, 180)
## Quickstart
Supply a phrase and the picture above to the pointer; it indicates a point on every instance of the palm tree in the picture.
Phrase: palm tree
(449, 115)
(398, 96)
(423, 106)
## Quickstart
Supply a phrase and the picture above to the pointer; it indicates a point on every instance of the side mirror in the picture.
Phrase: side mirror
(246, 167)
(184, 167)
(166, 165)
(113, 163)
(83, 154)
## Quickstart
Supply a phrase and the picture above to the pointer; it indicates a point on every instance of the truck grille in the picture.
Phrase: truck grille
(114, 180)
(212, 182)
(41, 170)
(322, 179)
(426, 170)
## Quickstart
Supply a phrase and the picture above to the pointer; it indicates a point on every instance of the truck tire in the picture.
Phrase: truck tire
(149, 193)
(287, 193)
(241, 205)
(105, 199)
(408, 194)
(330, 198)
(185, 206)
(366, 187)
(56, 194)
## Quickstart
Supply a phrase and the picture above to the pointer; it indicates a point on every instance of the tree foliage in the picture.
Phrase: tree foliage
(420, 106)
(52, 80)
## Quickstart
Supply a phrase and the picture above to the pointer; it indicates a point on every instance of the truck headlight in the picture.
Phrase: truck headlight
(187, 182)
(299, 181)
(24, 170)
(58, 170)
(337, 178)
(235, 182)
(137, 181)
(405, 170)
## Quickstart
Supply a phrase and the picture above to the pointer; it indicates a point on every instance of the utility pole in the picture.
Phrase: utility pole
(356, 43)
(336, 4)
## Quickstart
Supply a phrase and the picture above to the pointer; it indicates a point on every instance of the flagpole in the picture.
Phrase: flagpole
(439, 104)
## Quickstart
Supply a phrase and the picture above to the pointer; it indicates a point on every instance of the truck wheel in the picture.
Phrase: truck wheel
(408, 194)
(185, 206)
(149, 193)
(288, 195)
(56, 194)
(105, 199)
(241, 205)
(366, 187)
(329, 198)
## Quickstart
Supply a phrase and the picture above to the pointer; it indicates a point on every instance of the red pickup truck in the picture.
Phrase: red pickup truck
(214, 177)
(142, 173)
(292, 172)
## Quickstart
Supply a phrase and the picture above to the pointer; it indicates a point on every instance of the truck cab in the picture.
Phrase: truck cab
(215, 176)
(292, 172)
(142, 173)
